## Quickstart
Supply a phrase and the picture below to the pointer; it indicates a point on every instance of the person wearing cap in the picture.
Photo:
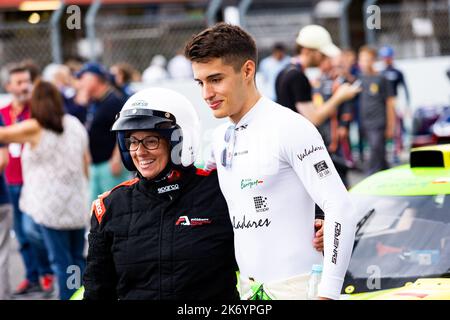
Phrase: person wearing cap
(394, 76)
(293, 88)
(273, 167)
(395, 80)
(106, 170)
(166, 234)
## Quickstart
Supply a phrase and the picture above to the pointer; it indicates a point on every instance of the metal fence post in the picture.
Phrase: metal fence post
(370, 34)
(343, 21)
(211, 11)
(448, 13)
(90, 26)
(243, 8)
(56, 33)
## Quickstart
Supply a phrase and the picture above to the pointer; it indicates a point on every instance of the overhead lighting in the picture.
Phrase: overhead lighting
(47, 5)
(34, 18)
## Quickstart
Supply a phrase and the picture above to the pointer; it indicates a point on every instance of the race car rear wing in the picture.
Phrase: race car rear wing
(431, 156)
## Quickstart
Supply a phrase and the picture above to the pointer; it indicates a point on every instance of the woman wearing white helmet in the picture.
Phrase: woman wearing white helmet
(165, 234)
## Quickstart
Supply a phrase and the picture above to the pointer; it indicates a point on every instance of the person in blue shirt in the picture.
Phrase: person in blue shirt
(394, 76)
(271, 66)
(5, 225)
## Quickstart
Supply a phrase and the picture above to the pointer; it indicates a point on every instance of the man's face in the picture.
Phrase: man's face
(89, 83)
(278, 54)
(313, 58)
(223, 89)
(338, 66)
(20, 86)
(388, 61)
(366, 62)
(325, 65)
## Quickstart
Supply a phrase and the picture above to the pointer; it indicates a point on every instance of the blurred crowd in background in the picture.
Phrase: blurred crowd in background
(93, 94)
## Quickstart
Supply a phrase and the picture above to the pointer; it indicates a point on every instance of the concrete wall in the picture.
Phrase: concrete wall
(427, 80)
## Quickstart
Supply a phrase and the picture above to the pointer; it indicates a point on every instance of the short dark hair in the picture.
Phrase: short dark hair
(228, 42)
(32, 67)
(47, 106)
(127, 70)
(279, 46)
(11, 69)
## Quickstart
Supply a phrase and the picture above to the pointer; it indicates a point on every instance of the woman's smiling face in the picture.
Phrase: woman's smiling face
(150, 163)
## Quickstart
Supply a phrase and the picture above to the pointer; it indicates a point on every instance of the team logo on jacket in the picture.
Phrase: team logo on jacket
(185, 221)
(260, 204)
(322, 169)
(171, 187)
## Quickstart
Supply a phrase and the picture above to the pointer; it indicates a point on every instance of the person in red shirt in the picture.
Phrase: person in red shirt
(39, 276)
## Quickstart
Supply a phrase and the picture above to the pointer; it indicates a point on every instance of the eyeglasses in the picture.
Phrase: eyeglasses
(227, 153)
(149, 143)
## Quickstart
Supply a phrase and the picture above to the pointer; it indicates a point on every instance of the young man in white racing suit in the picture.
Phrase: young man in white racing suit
(273, 167)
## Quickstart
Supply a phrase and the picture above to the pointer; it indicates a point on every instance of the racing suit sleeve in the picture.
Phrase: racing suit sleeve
(303, 148)
(99, 278)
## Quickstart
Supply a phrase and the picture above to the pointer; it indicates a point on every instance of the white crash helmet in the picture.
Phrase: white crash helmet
(167, 112)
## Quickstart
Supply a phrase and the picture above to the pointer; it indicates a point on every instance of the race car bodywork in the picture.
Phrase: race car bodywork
(403, 236)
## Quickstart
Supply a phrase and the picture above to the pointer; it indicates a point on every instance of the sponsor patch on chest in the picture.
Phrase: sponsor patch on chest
(186, 221)
(168, 188)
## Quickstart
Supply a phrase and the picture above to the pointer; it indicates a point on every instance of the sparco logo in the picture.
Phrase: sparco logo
(337, 233)
(185, 221)
(168, 188)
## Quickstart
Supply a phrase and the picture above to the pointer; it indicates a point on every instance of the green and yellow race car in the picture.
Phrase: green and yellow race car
(403, 236)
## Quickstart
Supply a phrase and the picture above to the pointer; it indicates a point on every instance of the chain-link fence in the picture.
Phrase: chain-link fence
(19, 41)
(137, 40)
(416, 30)
(280, 26)
(270, 22)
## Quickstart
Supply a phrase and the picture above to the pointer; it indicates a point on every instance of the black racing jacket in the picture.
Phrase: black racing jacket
(169, 240)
